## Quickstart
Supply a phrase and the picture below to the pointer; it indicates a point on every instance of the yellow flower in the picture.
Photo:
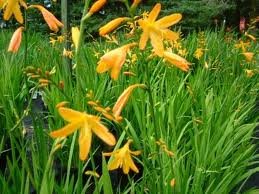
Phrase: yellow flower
(53, 23)
(112, 25)
(176, 60)
(12, 7)
(198, 53)
(158, 30)
(122, 159)
(16, 39)
(123, 99)
(249, 56)
(75, 36)
(114, 60)
(67, 53)
(249, 72)
(97, 6)
(87, 124)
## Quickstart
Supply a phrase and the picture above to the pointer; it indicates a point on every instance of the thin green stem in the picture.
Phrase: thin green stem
(78, 60)
(25, 38)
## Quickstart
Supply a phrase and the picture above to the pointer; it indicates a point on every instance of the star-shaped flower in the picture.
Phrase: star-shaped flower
(87, 125)
(158, 30)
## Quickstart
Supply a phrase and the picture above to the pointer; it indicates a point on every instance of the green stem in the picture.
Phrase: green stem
(25, 38)
(79, 49)
(126, 2)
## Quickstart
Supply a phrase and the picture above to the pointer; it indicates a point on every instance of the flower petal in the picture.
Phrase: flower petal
(17, 13)
(157, 42)
(143, 40)
(115, 163)
(168, 21)
(65, 131)
(130, 163)
(85, 139)
(101, 131)
(176, 60)
(123, 99)
(154, 12)
(103, 66)
(70, 115)
(170, 35)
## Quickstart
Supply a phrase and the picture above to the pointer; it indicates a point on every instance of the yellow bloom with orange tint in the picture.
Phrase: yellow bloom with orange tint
(113, 60)
(112, 25)
(249, 56)
(53, 23)
(16, 39)
(123, 99)
(158, 30)
(176, 60)
(87, 125)
(122, 159)
(12, 7)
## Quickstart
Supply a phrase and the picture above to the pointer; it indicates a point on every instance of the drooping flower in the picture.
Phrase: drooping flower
(112, 25)
(122, 159)
(75, 36)
(113, 60)
(97, 6)
(16, 39)
(53, 23)
(158, 30)
(123, 99)
(12, 7)
(176, 60)
(87, 125)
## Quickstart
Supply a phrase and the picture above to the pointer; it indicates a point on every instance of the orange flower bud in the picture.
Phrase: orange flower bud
(16, 40)
(50, 19)
(97, 6)
(112, 25)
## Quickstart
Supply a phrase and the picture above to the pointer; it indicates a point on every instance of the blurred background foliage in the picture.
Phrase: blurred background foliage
(198, 14)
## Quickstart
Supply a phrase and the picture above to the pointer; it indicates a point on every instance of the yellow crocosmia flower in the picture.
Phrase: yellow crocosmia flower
(87, 125)
(176, 60)
(75, 36)
(158, 30)
(67, 53)
(97, 6)
(12, 7)
(249, 56)
(249, 72)
(123, 99)
(198, 53)
(122, 159)
(53, 23)
(114, 60)
(16, 39)
(112, 25)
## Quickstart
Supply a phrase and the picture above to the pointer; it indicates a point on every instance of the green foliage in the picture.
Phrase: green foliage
(206, 118)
